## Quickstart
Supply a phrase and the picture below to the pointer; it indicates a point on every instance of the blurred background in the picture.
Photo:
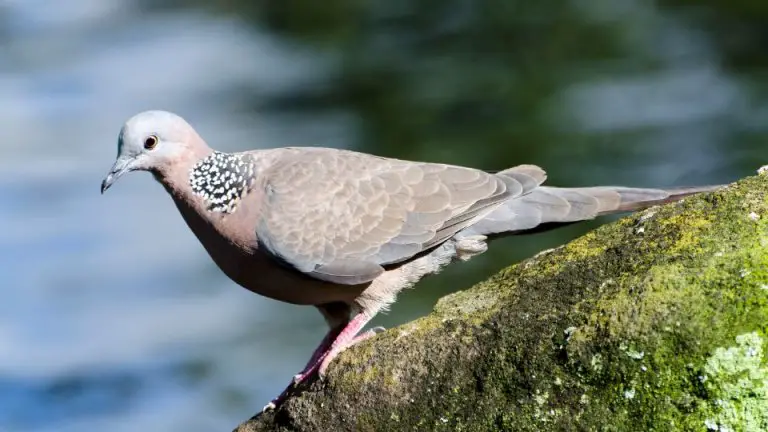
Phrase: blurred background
(112, 317)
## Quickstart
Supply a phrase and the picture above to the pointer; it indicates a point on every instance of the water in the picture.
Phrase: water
(112, 316)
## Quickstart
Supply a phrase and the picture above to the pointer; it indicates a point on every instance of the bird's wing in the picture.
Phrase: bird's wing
(339, 216)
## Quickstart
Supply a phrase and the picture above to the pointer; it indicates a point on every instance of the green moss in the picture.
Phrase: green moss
(631, 327)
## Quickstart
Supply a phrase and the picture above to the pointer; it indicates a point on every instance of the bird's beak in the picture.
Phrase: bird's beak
(122, 165)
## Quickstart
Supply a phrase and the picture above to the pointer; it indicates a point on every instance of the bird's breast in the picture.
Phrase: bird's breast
(261, 274)
(230, 240)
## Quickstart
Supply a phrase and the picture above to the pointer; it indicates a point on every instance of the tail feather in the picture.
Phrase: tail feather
(634, 199)
(547, 207)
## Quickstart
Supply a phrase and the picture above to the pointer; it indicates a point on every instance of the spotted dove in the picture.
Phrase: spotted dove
(346, 231)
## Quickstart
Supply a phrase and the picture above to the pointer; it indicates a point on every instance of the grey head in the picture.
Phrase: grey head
(153, 141)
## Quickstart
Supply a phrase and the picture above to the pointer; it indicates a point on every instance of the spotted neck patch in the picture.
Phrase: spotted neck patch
(222, 180)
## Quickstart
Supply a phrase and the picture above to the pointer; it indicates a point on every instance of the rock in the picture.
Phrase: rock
(658, 321)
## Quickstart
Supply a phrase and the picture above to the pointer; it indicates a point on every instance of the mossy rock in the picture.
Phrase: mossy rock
(657, 322)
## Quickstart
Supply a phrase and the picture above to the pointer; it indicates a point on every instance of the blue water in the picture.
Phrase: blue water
(112, 317)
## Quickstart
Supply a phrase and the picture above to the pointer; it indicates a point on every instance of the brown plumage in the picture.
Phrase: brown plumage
(346, 231)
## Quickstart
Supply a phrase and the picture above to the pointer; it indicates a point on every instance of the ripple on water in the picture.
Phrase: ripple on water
(112, 315)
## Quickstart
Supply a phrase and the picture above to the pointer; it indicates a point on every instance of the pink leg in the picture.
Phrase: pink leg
(343, 340)
(302, 376)
(319, 352)
(347, 338)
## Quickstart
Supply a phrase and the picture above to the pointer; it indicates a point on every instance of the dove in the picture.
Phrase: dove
(345, 231)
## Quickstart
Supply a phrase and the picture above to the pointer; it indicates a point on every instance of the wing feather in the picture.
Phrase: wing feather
(340, 216)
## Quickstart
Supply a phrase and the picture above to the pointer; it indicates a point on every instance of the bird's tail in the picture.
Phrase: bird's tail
(617, 199)
(545, 207)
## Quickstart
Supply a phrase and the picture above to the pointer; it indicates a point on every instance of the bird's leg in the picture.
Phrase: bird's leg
(308, 369)
(344, 339)
(469, 246)
(348, 337)
(320, 351)
(324, 346)
(337, 317)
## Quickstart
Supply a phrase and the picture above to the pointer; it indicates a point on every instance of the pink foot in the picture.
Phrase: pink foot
(320, 351)
(335, 351)
(326, 352)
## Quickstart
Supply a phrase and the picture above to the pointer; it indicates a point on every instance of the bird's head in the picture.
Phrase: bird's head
(152, 141)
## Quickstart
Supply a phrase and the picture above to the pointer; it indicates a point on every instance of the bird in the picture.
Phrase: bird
(346, 231)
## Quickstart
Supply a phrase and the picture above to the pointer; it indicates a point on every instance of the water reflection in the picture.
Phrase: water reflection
(111, 309)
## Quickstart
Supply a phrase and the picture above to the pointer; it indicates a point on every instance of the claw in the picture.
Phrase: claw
(300, 378)
(326, 352)
(378, 329)
(269, 407)
(468, 247)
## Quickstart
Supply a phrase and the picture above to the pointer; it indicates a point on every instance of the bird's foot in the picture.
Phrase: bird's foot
(469, 246)
(304, 375)
(335, 351)
(321, 363)
(297, 380)
(270, 406)
(325, 354)
(276, 402)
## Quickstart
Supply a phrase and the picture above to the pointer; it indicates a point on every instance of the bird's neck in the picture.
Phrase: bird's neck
(216, 180)
(211, 189)
(208, 193)
(222, 180)
(176, 177)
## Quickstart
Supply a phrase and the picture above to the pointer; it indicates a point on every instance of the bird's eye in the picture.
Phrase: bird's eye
(150, 142)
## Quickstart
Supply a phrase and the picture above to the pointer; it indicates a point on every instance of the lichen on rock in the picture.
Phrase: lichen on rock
(737, 380)
(656, 322)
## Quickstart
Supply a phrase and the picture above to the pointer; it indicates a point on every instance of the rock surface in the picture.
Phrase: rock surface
(657, 322)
